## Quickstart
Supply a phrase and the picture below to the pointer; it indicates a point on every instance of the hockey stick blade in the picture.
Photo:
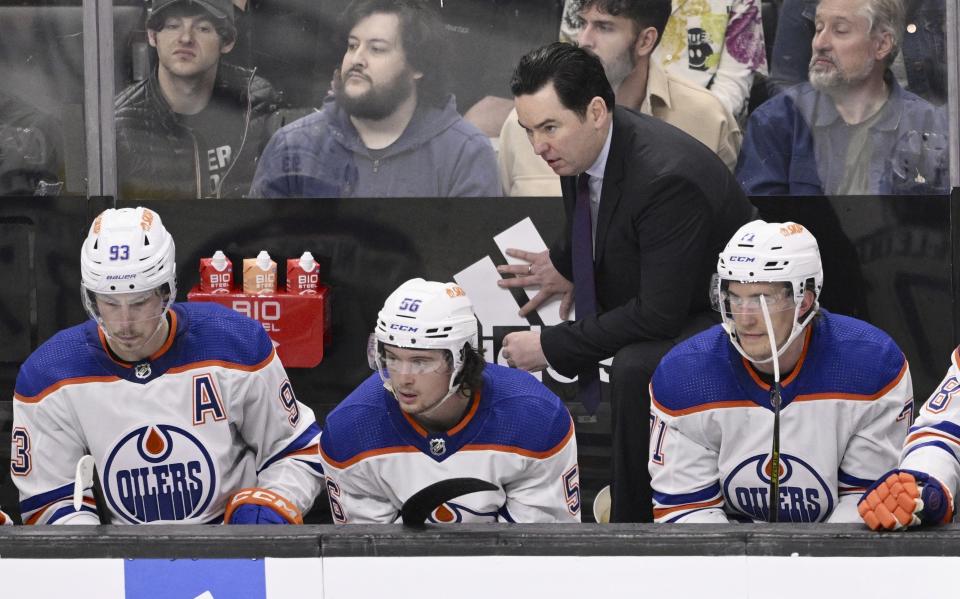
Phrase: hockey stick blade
(416, 509)
(83, 480)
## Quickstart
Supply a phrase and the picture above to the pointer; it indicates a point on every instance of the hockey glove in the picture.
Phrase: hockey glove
(260, 506)
(5, 520)
(903, 498)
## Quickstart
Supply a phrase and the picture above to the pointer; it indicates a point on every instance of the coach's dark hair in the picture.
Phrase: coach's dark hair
(471, 375)
(421, 36)
(577, 76)
(643, 13)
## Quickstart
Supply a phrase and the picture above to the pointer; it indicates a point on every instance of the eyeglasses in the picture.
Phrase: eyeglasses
(415, 365)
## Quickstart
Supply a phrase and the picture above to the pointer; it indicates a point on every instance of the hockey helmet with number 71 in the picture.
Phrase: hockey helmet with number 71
(762, 252)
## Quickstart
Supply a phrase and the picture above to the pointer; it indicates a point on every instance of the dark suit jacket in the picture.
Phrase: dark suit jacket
(668, 206)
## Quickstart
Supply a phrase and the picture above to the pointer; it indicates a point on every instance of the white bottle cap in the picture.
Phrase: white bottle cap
(219, 261)
(307, 263)
(263, 260)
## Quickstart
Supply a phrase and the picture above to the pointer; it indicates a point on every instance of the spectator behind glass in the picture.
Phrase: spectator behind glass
(622, 34)
(195, 127)
(390, 128)
(852, 129)
(923, 46)
(491, 34)
(30, 150)
(717, 44)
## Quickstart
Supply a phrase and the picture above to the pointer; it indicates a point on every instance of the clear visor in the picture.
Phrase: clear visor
(727, 302)
(130, 318)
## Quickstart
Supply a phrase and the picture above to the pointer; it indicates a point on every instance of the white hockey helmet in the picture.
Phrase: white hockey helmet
(762, 252)
(427, 315)
(127, 250)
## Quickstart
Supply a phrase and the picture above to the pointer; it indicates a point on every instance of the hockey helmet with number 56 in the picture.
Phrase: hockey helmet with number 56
(427, 315)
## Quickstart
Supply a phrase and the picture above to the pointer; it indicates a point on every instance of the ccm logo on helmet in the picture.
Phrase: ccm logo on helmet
(403, 327)
(742, 259)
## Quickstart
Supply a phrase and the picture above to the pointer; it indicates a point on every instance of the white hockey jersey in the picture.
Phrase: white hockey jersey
(516, 435)
(933, 443)
(845, 411)
(173, 436)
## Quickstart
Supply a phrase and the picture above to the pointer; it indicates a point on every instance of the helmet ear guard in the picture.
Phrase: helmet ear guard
(761, 252)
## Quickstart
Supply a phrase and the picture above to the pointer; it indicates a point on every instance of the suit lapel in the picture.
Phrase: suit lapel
(612, 191)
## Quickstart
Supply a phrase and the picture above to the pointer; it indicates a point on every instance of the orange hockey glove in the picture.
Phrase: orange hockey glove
(904, 498)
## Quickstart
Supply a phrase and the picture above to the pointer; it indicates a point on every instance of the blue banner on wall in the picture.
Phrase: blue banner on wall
(195, 579)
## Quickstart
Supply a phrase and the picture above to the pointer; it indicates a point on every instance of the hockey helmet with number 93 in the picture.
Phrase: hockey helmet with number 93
(762, 252)
(426, 315)
(127, 251)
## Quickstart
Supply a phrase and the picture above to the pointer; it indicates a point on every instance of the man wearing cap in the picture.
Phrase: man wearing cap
(195, 127)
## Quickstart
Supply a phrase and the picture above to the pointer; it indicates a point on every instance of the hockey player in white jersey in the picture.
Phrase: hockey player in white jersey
(185, 408)
(922, 489)
(434, 411)
(844, 387)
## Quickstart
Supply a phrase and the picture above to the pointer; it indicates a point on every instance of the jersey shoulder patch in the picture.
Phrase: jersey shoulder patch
(850, 357)
(520, 412)
(360, 423)
(69, 354)
(697, 372)
(213, 332)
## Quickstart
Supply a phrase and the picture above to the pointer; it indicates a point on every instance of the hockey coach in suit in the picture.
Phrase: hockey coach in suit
(648, 209)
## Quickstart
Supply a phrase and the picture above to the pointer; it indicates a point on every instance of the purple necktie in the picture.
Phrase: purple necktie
(584, 287)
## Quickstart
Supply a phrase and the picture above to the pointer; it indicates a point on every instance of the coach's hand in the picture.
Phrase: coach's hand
(904, 498)
(522, 350)
(540, 272)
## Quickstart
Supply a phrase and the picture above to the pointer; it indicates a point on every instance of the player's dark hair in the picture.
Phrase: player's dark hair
(577, 76)
(471, 375)
(643, 13)
(421, 37)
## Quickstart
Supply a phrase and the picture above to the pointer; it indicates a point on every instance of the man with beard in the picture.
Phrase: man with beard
(623, 35)
(195, 127)
(852, 129)
(390, 129)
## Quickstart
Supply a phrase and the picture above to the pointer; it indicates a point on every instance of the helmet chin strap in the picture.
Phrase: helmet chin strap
(775, 356)
(160, 322)
(798, 328)
(451, 391)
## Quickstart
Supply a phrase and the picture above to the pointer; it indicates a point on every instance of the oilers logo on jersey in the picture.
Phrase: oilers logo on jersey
(159, 472)
(804, 495)
(454, 513)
